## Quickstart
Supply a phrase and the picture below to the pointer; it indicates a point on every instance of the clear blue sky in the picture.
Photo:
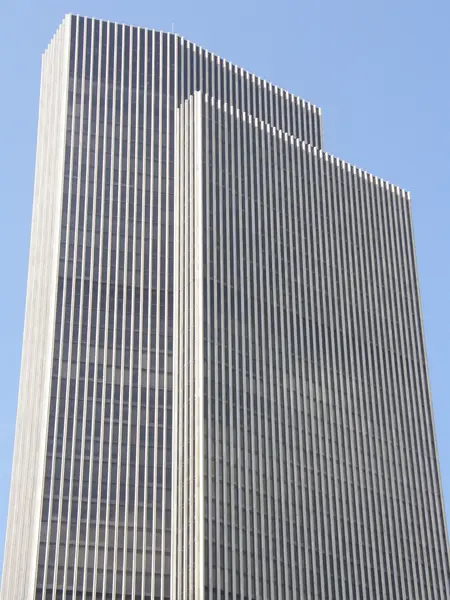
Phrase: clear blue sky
(380, 72)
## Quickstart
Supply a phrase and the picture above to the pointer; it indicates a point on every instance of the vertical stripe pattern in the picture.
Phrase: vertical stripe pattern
(99, 326)
(33, 410)
(224, 390)
(320, 474)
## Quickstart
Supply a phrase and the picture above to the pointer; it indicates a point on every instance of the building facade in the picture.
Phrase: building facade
(224, 390)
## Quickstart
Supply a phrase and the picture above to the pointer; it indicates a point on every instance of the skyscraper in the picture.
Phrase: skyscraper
(224, 390)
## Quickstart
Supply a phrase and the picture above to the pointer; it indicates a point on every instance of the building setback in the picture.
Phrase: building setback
(224, 390)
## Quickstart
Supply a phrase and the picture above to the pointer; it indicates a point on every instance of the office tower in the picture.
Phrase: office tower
(224, 390)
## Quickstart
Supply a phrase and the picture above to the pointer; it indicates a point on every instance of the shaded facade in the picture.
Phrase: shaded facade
(304, 439)
(224, 390)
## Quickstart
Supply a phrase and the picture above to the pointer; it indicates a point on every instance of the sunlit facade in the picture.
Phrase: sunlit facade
(224, 390)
